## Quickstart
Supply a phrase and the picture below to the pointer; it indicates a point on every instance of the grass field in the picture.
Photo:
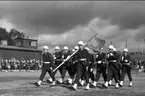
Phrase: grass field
(21, 84)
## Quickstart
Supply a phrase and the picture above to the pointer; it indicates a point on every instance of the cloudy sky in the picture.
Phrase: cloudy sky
(67, 22)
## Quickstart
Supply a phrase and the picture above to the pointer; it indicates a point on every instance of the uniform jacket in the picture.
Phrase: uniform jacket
(47, 57)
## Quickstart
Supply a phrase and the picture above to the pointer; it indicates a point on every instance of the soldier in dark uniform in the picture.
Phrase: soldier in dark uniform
(90, 65)
(57, 60)
(73, 66)
(126, 67)
(66, 66)
(82, 66)
(47, 65)
(118, 56)
(101, 66)
(112, 67)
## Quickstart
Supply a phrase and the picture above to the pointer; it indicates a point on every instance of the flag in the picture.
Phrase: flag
(96, 44)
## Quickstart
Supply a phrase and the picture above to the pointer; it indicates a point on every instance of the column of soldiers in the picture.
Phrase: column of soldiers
(20, 65)
(82, 67)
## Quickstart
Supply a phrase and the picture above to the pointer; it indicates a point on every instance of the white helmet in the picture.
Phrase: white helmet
(65, 48)
(114, 49)
(81, 43)
(73, 50)
(45, 47)
(111, 46)
(125, 50)
(56, 47)
(76, 47)
(87, 48)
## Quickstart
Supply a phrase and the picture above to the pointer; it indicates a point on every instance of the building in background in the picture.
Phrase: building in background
(26, 43)
(25, 48)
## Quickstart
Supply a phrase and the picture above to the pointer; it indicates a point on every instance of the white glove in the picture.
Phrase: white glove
(91, 69)
(99, 62)
(126, 60)
(111, 54)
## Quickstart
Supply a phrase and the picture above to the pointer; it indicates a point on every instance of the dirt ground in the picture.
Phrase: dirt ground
(21, 84)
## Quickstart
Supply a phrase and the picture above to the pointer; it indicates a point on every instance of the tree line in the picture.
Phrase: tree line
(10, 36)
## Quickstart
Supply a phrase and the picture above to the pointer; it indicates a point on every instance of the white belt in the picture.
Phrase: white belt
(82, 59)
(112, 60)
(46, 62)
(99, 62)
(127, 63)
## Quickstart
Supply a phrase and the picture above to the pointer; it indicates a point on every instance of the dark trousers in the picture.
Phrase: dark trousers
(119, 72)
(112, 71)
(59, 69)
(81, 71)
(70, 68)
(43, 73)
(101, 69)
(126, 69)
(91, 74)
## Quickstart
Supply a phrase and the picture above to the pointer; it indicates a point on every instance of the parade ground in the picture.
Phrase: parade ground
(21, 84)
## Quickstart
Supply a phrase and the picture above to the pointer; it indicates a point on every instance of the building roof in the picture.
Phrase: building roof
(26, 38)
(18, 48)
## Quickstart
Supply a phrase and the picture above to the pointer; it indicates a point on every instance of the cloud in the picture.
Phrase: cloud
(5, 24)
(55, 17)
(105, 30)
(64, 23)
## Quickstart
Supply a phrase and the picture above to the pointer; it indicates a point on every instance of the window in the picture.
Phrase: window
(33, 43)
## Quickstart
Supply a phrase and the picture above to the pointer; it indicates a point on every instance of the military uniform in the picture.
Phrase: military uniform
(47, 65)
(66, 66)
(126, 67)
(112, 69)
(101, 66)
(91, 67)
(74, 66)
(82, 66)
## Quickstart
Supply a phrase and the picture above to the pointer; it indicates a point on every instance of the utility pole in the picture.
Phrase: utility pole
(37, 36)
(142, 42)
(110, 42)
(126, 43)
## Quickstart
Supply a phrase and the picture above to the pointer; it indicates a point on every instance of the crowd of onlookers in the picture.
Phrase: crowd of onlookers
(34, 65)
(139, 65)
(20, 65)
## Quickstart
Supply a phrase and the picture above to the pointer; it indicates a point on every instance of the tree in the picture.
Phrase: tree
(15, 33)
(4, 35)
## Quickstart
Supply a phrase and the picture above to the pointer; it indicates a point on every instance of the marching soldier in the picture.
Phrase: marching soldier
(47, 65)
(73, 66)
(90, 65)
(119, 66)
(101, 66)
(57, 60)
(112, 67)
(126, 68)
(82, 66)
(66, 65)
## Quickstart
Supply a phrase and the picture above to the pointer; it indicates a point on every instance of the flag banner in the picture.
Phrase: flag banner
(96, 44)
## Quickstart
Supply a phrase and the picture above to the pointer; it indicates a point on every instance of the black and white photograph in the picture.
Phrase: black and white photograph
(72, 48)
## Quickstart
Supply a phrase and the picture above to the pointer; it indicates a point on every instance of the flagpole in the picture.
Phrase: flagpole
(74, 53)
